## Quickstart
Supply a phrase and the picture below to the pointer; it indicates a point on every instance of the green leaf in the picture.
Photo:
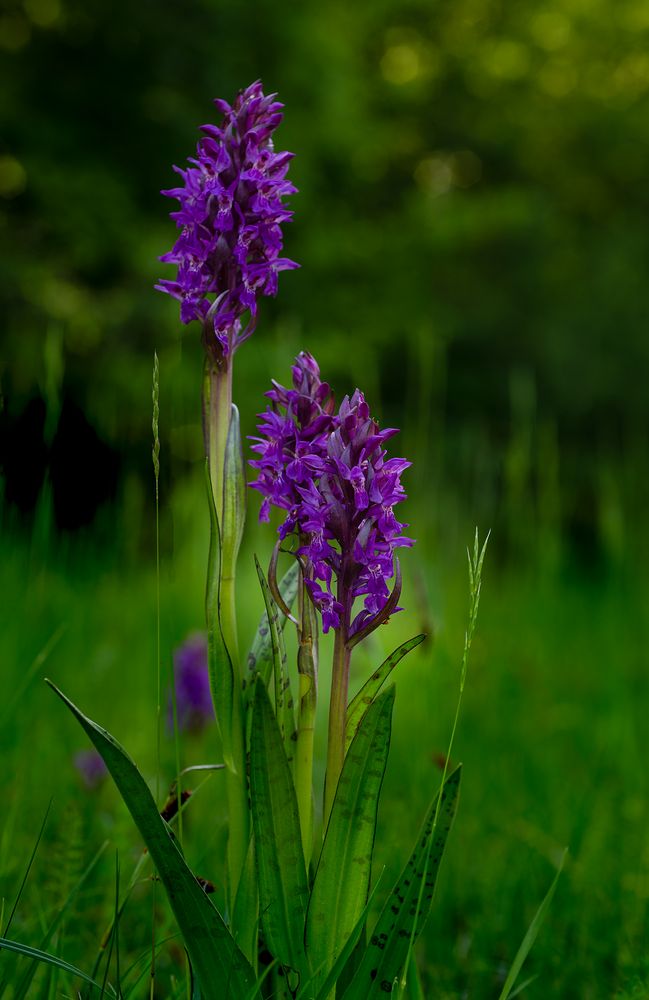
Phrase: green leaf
(283, 697)
(343, 875)
(43, 956)
(218, 963)
(260, 657)
(406, 910)
(309, 988)
(530, 936)
(283, 888)
(360, 703)
(218, 658)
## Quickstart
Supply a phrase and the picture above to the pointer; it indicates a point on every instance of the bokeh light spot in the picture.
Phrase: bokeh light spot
(13, 177)
(43, 13)
(401, 64)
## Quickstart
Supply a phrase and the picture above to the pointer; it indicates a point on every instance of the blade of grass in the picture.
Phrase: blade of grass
(42, 956)
(531, 935)
(475, 561)
(27, 871)
(23, 988)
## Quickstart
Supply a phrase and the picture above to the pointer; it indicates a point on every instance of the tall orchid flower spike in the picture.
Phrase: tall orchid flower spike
(230, 216)
(228, 254)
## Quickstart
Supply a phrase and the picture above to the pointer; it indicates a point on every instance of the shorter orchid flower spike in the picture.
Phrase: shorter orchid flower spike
(330, 473)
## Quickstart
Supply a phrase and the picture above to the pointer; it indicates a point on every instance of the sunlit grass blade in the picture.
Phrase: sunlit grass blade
(218, 963)
(283, 888)
(283, 698)
(360, 703)
(343, 874)
(406, 909)
(43, 956)
(260, 657)
(22, 990)
(531, 935)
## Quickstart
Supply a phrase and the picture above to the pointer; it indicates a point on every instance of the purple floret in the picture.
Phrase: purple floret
(330, 472)
(91, 767)
(194, 707)
(230, 217)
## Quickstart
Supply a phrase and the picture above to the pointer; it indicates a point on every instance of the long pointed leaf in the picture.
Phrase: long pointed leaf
(283, 888)
(406, 910)
(361, 702)
(260, 656)
(218, 963)
(343, 875)
(283, 697)
(309, 987)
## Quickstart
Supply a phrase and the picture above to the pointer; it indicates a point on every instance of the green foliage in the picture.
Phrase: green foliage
(530, 936)
(284, 705)
(219, 660)
(215, 957)
(342, 878)
(360, 703)
(283, 889)
(405, 912)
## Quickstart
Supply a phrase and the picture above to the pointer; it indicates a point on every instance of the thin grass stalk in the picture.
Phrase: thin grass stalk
(155, 454)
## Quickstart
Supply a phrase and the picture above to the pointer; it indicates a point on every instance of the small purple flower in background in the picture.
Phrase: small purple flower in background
(193, 698)
(330, 472)
(230, 216)
(91, 767)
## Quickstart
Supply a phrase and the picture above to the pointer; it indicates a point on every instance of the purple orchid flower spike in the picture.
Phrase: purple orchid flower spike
(230, 216)
(330, 473)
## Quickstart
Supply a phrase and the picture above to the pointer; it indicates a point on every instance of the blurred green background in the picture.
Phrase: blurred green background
(472, 228)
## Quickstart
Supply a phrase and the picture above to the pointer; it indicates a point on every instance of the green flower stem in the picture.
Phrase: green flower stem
(307, 665)
(337, 707)
(217, 419)
(217, 406)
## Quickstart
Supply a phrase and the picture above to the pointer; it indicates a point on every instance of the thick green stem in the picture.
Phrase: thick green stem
(337, 711)
(307, 665)
(217, 406)
(219, 417)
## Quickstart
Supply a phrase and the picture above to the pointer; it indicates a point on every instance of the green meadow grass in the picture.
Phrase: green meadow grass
(553, 735)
